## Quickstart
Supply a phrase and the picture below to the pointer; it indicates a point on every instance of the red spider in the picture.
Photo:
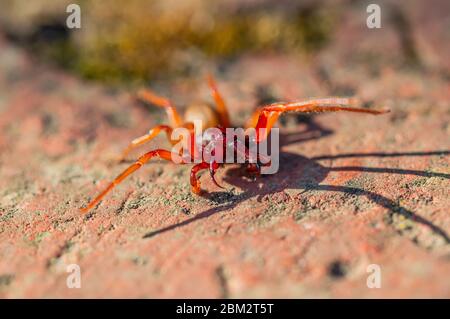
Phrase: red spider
(263, 118)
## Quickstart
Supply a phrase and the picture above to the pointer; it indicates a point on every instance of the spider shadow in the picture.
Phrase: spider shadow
(306, 174)
(312, 131)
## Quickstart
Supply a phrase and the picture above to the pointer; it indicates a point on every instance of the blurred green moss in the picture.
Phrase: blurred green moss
(139, 40)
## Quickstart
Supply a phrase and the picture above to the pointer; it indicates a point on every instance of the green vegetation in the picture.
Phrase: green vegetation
(145, 39)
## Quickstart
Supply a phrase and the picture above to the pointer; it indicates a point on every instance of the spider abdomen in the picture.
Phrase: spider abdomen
(202, 114)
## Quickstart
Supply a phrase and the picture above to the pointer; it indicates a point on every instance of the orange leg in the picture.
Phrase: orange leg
(147, 137)
(150, 97)
(213, 166)
(220, 103)
(253, 120)
(195, 183)
(192, 147)
(254, 168)
(270, 113)
(164, 154)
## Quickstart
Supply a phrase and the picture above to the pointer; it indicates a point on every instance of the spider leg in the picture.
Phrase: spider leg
(220, 103)
(253, 120)
(270, 113)
(164, 154)
(213, 166)
(150, 97)
(146, 138)
(254, 168)
(195, 183)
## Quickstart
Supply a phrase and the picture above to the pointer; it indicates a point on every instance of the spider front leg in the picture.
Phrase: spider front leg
(164, 154)
(269, 114)
(220, 103)
(195, 183)
(254, 169)
(146, 138)
(150, 97)
(213, 166)
(253, 120)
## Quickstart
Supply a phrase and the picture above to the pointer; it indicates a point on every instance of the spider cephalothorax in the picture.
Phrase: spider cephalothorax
(201, 116)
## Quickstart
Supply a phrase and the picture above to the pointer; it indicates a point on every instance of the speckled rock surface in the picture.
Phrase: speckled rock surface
(352, 190)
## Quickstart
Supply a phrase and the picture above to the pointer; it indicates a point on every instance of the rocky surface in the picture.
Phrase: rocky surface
(352, 190)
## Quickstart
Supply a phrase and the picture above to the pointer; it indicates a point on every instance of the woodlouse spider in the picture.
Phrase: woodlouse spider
(263, 118)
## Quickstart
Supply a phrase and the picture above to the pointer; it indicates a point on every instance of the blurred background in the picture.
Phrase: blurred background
(145, 40)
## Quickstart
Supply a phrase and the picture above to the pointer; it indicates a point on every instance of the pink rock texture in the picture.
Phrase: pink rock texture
(352, 190)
